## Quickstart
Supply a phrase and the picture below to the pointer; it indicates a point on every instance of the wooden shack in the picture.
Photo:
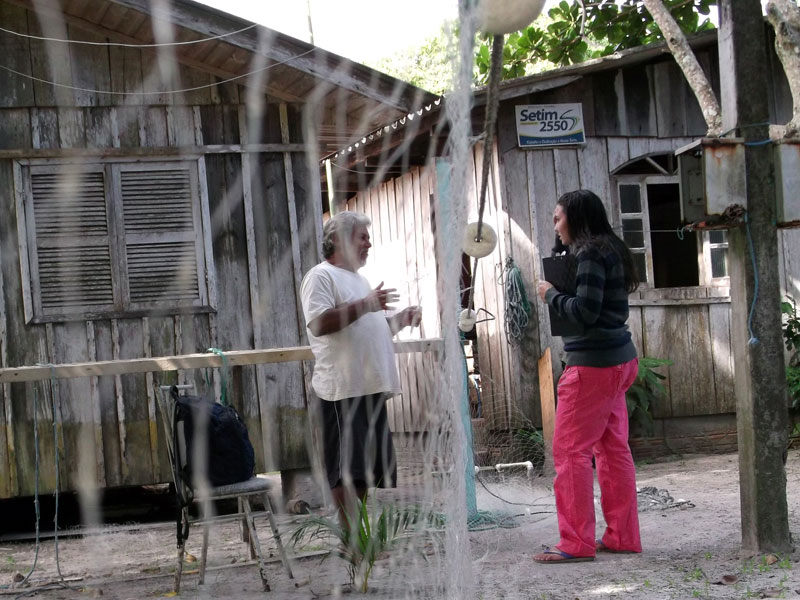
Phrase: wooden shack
(159, 195)
(637, 111)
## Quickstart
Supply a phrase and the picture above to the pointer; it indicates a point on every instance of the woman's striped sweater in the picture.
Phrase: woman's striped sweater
(600, 304)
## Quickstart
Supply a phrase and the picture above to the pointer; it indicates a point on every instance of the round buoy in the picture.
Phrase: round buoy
(497, 17)
(478, 248)
(466, 320)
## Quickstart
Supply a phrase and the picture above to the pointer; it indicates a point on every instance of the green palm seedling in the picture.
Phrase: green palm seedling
(368, 534)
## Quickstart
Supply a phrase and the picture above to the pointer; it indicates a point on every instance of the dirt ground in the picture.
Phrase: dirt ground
(692, 550)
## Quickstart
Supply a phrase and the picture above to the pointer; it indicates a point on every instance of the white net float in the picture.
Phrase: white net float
(467, 319)
(497, 17)
(478, 248)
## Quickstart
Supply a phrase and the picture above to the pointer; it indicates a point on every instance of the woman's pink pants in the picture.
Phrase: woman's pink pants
(592, 419)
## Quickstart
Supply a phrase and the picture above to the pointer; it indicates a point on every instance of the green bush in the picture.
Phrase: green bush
(791, 336)
(368, 534)
(646, 389)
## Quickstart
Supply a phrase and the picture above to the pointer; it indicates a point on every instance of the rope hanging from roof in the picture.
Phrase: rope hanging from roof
(495, 74)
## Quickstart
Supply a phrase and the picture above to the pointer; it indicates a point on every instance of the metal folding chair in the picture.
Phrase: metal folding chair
(205, 496)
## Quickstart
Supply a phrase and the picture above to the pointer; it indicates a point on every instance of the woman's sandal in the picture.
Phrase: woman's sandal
(556, 556)
(599, 546)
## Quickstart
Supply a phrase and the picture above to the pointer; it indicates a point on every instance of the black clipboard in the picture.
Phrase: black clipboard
(562, 271)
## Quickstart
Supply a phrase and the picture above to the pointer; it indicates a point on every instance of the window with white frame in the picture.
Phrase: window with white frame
(648, 196)
(112, 238)
(715, 257)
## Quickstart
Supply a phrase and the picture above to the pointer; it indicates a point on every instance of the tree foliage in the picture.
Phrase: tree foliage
(578, 31)
(429, 67)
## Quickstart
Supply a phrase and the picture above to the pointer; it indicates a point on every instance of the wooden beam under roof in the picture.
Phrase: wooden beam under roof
(300, 55)
(50, 10)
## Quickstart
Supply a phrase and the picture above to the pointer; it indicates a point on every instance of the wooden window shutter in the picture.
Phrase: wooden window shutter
(163, 239)
(68, 241)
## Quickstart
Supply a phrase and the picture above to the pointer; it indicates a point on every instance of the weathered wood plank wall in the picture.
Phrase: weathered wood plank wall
(259, 204)
(629, 112)
(403, 257)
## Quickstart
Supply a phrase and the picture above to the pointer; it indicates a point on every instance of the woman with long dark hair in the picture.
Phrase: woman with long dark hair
(591, 416)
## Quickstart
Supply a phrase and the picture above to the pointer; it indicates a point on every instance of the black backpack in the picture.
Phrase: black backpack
(227, 452)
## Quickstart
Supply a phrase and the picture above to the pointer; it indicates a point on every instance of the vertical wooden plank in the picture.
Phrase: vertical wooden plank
(790, 246)
(126, 76)
(158, 71)
(486, 297)
(283, 402)
(99, 128)
(517, 203)
(44, 128)
(8, 478)
(618, 153)
(180, 125)
(669, 94)
(79, 465)
(657, 344)
(504, 245)
(22, 344)
(97, 418)
(71, 128)
(547, 395)
(106, 388)
(405, 195)
(153, 126)
(567, 172)
(90, 68)
(294, 239)
(719, 317)
(405, 246)
(49, 61)
(639, 100)
(593, 165)
(120, 402)
(542, 185)
(397, 266)
(236, 326)
(636, 328)
(132, 405)
(152, 410)
(492, 292)
(161, 343)
(16, 90)
(257, 409)
(419, 409)
(15, 128)
(702, 391)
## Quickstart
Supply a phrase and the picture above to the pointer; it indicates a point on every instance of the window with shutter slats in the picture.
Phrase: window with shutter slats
(71, 246)
(109, 239)
(160, 241)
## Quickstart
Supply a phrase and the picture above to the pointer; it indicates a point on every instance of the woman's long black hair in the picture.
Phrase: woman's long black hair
(588, 225)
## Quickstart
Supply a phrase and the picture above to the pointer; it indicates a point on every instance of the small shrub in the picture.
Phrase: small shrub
(791, 336)
(646, 389)
(367, 536)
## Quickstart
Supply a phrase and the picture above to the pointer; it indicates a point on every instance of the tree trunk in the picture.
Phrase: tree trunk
(784, 16)
(684, 56)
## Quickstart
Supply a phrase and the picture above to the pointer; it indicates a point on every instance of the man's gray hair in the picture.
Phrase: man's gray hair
(341, 225)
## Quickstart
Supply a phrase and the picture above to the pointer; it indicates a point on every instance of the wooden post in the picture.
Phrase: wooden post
(332, 208)
(547, 397)
(761, 406)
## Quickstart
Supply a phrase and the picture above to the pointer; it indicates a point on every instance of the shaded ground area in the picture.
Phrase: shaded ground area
(689, 547)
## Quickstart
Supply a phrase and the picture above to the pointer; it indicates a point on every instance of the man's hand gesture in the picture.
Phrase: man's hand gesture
(380, 299)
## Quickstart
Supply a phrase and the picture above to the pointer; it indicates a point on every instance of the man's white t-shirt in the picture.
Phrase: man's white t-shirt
(358, 360)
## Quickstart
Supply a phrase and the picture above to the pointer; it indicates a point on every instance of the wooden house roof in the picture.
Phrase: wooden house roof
(350, 98)
(389, 149)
